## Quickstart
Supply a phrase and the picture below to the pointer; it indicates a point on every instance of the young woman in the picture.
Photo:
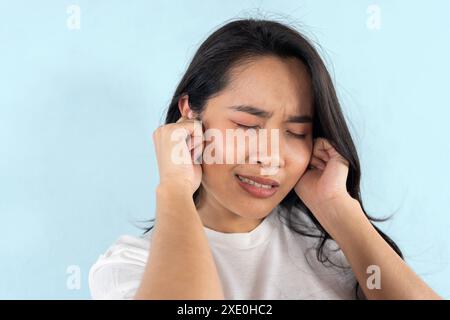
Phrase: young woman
(224, 230)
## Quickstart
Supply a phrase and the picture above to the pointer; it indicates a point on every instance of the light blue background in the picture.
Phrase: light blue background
(78, 107)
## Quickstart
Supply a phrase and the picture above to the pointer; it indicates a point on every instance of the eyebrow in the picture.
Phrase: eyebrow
(265, 114)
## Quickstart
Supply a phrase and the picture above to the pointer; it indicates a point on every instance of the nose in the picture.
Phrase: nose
(270, 155)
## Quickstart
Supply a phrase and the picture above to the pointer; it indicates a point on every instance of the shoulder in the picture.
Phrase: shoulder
(117, 273)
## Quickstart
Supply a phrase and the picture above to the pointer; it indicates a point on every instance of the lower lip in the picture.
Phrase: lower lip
(256, 191)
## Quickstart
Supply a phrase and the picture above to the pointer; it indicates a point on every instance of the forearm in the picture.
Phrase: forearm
(180, 264)
(364, 247)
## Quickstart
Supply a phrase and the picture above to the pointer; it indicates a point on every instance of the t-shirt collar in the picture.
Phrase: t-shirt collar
(245, 240)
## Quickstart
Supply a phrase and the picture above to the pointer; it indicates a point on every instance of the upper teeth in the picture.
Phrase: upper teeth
(256, 184)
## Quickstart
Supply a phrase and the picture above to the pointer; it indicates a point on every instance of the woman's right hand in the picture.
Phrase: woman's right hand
(176, 145)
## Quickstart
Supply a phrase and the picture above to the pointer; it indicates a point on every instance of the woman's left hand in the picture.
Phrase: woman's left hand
(323, 190)
(324, 182)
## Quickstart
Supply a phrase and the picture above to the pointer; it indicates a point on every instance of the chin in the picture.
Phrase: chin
(253, 211)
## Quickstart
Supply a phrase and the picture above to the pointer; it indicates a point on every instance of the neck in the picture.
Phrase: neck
(216, 217)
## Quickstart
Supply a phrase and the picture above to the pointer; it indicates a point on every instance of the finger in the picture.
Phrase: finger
(321, 154)
(193, 126)
(186, 127)
(194, 142)
(325, 150)
(318, 163)
(198, 129)
(322, 144)
(196, 154)
(186, 122)
(196, 137)
(181, 119)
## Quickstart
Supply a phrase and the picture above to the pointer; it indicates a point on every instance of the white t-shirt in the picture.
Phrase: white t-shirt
(269, 262)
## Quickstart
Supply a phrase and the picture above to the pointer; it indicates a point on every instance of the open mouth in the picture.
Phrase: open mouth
(262, 188)
(254, 183)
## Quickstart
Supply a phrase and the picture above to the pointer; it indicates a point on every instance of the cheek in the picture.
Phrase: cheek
(297, 163)
(217, 176)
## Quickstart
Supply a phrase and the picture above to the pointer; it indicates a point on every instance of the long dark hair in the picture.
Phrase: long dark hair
(241, 40)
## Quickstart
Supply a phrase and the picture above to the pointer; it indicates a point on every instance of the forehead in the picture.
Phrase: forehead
(275, 84)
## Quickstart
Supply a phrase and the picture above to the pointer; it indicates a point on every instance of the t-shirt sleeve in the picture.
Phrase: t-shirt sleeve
(117, 273)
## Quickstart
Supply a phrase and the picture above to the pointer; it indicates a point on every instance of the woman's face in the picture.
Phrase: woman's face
(277, 95)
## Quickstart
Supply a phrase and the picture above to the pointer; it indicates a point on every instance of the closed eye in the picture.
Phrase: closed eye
(246, 127)
(297, 135)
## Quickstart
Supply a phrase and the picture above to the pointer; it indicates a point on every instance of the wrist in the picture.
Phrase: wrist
(174, 193)
(335, 204)
(340, 215)
(173, 198)
(175, 186)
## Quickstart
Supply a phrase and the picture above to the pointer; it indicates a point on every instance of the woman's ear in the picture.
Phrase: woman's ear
(184, 107)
